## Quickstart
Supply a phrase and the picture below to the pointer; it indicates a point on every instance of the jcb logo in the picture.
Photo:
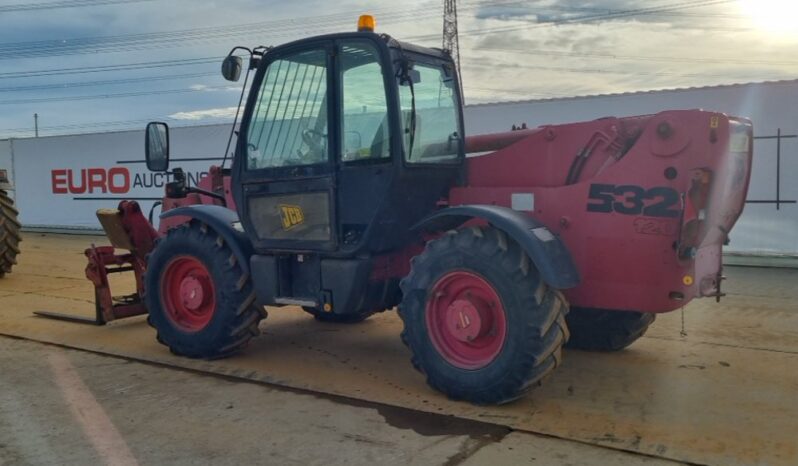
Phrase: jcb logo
(291, 216)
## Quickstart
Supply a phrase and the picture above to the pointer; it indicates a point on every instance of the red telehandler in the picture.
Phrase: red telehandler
(350, 193)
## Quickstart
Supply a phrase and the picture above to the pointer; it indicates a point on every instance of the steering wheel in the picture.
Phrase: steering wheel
(253, 154)
(312, 138)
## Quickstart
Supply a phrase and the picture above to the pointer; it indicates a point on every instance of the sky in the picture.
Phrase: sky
(105, 65)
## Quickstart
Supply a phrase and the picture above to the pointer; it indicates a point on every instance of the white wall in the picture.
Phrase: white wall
(763, 228)
(43, 167)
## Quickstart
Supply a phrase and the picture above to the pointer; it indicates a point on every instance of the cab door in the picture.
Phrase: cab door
(285, 166)
(367, 155)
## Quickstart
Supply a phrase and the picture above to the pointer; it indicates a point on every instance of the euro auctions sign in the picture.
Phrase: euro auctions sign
(116, 180)
(61, 181)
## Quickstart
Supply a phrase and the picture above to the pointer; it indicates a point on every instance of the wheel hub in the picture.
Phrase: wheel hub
(191, 293)
(464, 320)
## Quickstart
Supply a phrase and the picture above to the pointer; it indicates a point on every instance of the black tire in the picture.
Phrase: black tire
(235, 315)
(606, 330)
(533, 312)
(9, 234)
(330, 317)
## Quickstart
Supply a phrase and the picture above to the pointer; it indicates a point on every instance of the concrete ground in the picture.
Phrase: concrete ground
(62, 406)
(715, 384)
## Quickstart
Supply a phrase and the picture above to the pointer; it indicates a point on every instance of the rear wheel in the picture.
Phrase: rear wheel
(199, 299)
(331, 317)
(480, 322)
(606, 330)
(9, 234)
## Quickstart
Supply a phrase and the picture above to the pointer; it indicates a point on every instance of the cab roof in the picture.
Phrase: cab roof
(388, 40)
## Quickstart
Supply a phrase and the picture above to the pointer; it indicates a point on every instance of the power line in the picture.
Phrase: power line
(110, 82)
(149, 40)
(100, 124)
(554, 53)
(598, 71)
(63, 4)
(128, 125)
(617, 14)
(109, 96)
(107, 68)
(142, 41)
(132, 42)
(557, 53)
(81, 125)
(549, 7)
(175, 36)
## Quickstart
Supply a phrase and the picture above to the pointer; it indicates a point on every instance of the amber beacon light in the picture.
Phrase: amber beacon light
(366, 23)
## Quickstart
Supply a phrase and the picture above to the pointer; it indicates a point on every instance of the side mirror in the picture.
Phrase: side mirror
(156, 148)
(409, 77)
(231, 68)
(415, 76)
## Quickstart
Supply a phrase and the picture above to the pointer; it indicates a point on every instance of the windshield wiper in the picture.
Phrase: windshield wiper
(412, 135)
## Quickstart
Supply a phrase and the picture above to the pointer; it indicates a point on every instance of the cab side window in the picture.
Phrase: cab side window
(431, 132)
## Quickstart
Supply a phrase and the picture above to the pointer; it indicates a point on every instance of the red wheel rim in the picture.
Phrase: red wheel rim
(188, 293)
(466, 320)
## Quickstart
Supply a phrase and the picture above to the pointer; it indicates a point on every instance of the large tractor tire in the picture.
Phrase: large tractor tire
(333, 318)
(9, 234)
(478, 319)
(605, 330)
(199, 299)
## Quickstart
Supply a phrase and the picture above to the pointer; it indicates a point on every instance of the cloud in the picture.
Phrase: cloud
(507, 12)
(225, 112)
(510, 50)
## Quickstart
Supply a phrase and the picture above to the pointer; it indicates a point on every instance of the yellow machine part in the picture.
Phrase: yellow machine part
(111, 220)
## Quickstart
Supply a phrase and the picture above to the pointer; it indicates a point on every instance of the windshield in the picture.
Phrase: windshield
(434, 137)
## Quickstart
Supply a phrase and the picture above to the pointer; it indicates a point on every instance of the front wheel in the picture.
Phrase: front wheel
(199, 299)
(480, 322)
(606, 330)
(9, 234)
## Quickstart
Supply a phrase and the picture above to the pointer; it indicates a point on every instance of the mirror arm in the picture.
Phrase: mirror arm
(239, 47)
(179, 188)
(235, 120)
(204, 192)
